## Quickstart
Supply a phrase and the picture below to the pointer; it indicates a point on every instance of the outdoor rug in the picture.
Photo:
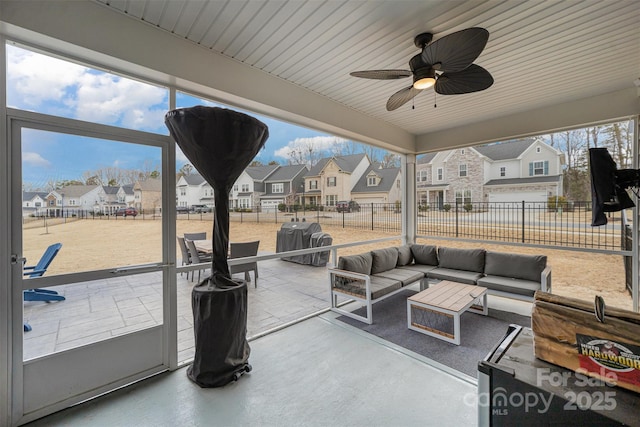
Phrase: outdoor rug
(479, 334)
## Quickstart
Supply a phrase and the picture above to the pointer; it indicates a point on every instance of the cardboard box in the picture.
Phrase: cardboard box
(566, 332)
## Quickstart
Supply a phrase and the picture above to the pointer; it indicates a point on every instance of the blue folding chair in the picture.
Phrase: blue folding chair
(38, 270)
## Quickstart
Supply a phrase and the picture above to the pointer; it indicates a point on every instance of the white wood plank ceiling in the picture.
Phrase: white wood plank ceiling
(540, 53)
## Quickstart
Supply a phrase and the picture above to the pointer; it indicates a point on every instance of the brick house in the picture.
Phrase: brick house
(524, 170)
(148, 195)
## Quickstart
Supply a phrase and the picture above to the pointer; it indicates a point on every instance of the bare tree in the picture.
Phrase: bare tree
(390, 160)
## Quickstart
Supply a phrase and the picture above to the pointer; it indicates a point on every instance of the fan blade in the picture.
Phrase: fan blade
(382, 74)
(472, 79)
(456, 51)
(401, 97)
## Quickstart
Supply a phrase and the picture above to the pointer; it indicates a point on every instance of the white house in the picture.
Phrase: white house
(194, 190)
(33, 202)
(524, 170)
(72, 199)
(109, 201)
(250, 186)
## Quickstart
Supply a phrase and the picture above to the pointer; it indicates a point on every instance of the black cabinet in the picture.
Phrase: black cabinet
(516, 388)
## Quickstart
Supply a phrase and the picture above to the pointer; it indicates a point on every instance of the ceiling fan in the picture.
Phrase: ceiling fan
(445, 64)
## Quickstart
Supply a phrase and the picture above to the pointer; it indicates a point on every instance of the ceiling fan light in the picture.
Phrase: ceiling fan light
(424, 78)
(424, 83)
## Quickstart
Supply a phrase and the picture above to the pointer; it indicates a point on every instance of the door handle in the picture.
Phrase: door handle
(16, 259)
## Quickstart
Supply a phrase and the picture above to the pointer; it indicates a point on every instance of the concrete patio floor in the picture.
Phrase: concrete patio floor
(102, 309)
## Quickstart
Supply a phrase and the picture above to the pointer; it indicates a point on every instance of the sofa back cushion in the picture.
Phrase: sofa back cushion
(356, 263)
(516, 266)
(384, 260)
(405, 257)
(461, 259)
(425, 254)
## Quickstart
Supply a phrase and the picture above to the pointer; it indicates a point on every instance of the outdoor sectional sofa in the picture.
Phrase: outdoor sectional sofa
(373, 276)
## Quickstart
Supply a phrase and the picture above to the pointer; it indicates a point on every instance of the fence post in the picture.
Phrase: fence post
(241, 213)
(276, 211)
(371, 215)
(457, 231)
(523, 221)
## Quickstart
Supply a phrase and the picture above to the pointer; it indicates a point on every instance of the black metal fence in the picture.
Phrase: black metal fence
(367, 216)
(539, 223)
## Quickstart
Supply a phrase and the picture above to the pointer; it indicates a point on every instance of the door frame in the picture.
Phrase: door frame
(162, 338)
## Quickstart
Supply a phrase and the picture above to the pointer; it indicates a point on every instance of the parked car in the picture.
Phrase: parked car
(182, 209)
(200, 208)
(350, 206)
(125, 212)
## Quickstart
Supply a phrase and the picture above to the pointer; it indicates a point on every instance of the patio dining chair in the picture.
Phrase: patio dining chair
(186, 258)
(196, 236)
(241, 250)
(196, 257)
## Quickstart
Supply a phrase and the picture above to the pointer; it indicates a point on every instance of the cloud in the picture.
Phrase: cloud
(53, 86)
(35, 159)
(319, 144)
(38, 78)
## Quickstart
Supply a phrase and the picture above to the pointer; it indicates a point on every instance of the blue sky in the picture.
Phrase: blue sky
(44, 84)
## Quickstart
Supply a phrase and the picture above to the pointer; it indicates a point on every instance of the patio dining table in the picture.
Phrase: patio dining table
(206, 246)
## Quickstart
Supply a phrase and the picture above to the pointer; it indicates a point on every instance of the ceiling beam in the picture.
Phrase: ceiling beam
(599, 109)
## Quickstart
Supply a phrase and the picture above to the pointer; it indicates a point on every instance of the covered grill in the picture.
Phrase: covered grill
(294, 236)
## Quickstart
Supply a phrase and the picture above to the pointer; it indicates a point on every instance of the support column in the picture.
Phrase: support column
(409, 205)
(635, 266)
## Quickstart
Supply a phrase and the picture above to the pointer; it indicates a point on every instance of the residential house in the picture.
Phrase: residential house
(378, 185)
(148, 195)
(332, 178)
(283, 186)
(73, 200)
(109, 201)
(33, 202)
(524, 170)
(192, 190)
(126, 195)
(250, 186)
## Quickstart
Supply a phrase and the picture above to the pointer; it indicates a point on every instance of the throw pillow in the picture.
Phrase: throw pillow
(462, 259)
(356, 263)
(516, 266)
(425, 254)
(384, 260)
(405, 257)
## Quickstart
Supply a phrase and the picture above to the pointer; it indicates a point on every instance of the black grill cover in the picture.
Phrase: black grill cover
(296, 235)
(220, 325)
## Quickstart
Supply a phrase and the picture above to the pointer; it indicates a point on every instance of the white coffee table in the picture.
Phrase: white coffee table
(436, 311)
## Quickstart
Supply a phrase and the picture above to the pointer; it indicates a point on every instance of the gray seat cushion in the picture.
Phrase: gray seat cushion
(380, 286)
(461, 259)
(356, 263)
(424, 269)
(461, 276)
(384, 260)
(513, 286)
(405, 256)
(517, 266)
(405, 276)
(425, 254)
